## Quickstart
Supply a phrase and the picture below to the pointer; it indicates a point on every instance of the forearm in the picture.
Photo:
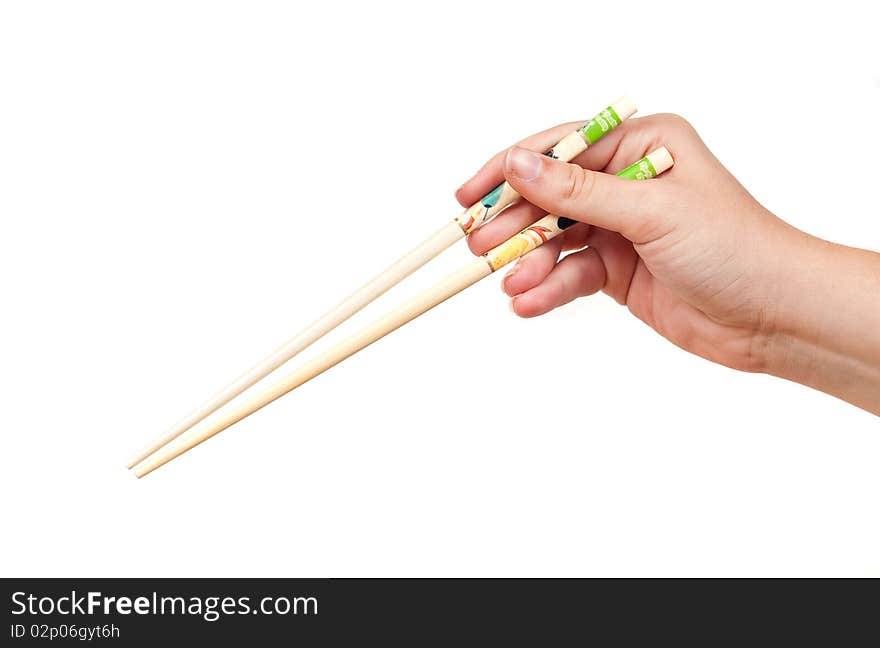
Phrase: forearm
(826, 330)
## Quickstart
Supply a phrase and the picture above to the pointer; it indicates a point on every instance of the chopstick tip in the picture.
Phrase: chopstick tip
(135, 459)
(146, 467)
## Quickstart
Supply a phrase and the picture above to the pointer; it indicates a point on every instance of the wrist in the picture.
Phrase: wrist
(825, 330)
(801, 294)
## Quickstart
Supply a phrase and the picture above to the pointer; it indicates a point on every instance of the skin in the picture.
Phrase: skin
(692, 254)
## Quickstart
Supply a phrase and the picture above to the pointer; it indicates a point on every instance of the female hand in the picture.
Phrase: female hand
(691, 253)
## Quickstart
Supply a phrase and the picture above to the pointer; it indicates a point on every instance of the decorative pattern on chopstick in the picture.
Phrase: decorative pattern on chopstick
(551, 226)
(566, 150)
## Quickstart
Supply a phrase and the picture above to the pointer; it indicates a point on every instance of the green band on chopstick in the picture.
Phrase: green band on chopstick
(600, 125)
(641, 170)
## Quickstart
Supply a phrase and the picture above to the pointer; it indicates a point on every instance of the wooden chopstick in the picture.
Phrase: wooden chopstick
(499, 198)
(525, 241)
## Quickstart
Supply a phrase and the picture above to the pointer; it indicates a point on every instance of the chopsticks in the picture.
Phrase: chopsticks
(499, 198)
(525, 241)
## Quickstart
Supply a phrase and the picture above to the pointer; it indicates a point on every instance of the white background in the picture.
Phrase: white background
(184, 185)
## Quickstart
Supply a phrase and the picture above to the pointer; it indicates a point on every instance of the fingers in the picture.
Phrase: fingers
(577, 275)
(538, 286)
(591, 197)
(512, 220)
(533, 268)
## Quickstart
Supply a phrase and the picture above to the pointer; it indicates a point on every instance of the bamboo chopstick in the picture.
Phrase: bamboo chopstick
(525, 241)
(499, 198)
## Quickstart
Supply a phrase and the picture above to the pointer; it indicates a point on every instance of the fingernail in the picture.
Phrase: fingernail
(510, 305)
(510, 274)
(526, 165)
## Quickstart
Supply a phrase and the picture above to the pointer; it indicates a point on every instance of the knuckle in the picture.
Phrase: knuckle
(676, 122)
(578, 184)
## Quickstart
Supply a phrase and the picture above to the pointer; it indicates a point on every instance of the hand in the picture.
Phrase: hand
(691, 253)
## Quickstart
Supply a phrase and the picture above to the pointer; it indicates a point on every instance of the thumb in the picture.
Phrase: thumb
(591, 197)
